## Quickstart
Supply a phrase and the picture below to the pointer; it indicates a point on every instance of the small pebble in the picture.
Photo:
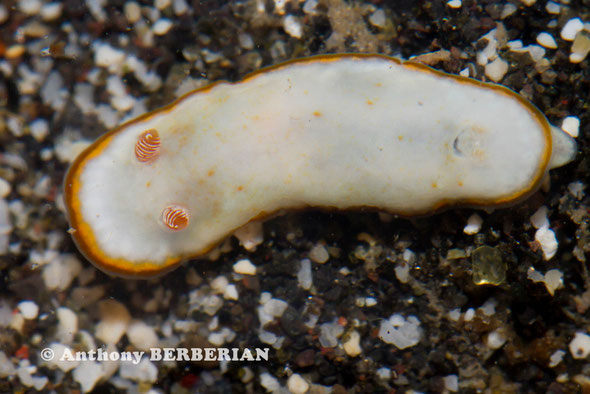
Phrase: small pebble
(142, 336)
(553, 280)
(244, 267)
(3, 14)
(53, 91)
(571, 125)
(508, 10)
(231, 292)
(246, 41)
(180, 7)
(571, 29)
(267, 337)
(275, 307)
(297, 385)
(490, 50)
(247, 374)
(455, 254)
(454, 3)
(145, 371)
(6, 367)
(14, 51)
(487, 266)
(24, 373)
(162, 26)
(67, 325)
(576, 189)
(352, 346)
(580, 345)
(18, 322)
(114, 319)
(265, 297)
(269, 382)
(216, 339)
(473, 224)
(537, 52)
(132, 11)
(455, 314)
(535, 275)
(87, 374)
(123, 103)
(539, 218)
(15, 125)
(546, 40)
(580, 48)
(211, 304)
(515, 44)
(5, 190)
(400, 332)
(29, 7)
(409, 256)
(162, 4)
(489, 307)
(553, 8)
(378, 19)
(310, 7)
(51, 11)
(304, 275)
(546, 239)
(83, 97)
(451, 383)
(29, 309)
(250, 236)
(58, 351)
(67, 150)
(496, 69)
(344, 271)
(39, 129)
(107, 116)
(384, 373)
(292, 26)
(319, 254)
(329, 334)
(402, 272)
(96, 8)
(219, 284)
(496, 339)
(107, 56)
(556, 358)
(61, 271)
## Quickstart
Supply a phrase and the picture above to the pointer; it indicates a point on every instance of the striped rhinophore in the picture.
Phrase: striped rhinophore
(147, 146)
(175, 217)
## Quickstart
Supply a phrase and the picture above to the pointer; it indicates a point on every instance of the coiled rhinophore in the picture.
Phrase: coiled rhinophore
(175, 217)
(147, 147)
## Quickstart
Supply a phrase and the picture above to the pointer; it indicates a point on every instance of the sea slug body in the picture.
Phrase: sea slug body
(334, 131)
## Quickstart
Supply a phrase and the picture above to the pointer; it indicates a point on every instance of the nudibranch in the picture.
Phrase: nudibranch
(335, 131)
